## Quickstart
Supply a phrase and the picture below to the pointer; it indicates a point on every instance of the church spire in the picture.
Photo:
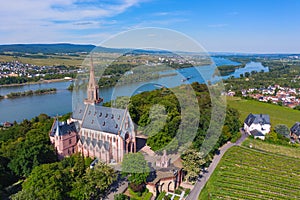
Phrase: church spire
(93, 88)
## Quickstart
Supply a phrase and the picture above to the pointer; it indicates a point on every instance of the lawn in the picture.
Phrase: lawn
(245, 173)
(146, 195)
(273, 148)
(278, 114)
(161, 195)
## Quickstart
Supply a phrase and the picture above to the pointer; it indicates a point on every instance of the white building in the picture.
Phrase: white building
(257, 125)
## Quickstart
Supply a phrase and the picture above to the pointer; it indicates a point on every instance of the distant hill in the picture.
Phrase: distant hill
(71, 48)
(54, 48)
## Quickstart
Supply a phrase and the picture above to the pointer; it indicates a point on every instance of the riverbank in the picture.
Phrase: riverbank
(37, 82)
(13, 95)
(63, 100)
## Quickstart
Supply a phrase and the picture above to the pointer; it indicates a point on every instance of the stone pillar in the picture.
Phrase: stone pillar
(121, 150)
(126, 144)
(131, 146)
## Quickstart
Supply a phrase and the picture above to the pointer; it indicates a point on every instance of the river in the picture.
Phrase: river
(61, 102)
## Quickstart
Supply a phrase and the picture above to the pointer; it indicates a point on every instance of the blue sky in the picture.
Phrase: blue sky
(218, 25)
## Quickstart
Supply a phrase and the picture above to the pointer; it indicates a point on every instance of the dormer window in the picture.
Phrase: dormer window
(92, 122)
(116, 125)
(112, 116)
(80, 111)
(119, 117)
(100, 114)
(106, 115)
(103, 124)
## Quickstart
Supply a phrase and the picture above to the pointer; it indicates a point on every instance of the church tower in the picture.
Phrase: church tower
(92, 88)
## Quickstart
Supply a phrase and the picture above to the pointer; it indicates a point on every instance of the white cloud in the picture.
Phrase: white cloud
(171, 13)
(34, 20)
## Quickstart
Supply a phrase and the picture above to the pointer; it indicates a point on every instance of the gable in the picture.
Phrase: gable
(62, 128)
(256, 133)
(296, 129)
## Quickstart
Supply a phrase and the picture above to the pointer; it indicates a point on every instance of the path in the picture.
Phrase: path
(118, 187)
(195, 192)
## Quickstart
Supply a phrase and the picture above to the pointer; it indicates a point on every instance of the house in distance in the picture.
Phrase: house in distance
(257, 125)
(295, 132)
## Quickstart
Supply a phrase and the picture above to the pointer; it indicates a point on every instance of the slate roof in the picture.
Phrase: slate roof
(256, 133)
(63, 128)
(106, 119)
(257, 119)
(296, 129)
(78, 112)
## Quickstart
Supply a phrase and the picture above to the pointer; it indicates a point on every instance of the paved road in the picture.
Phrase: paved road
(205, 177)
(117, 188)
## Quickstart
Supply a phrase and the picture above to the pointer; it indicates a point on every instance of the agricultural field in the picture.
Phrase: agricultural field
(273, 148)
(55, 60)
(278, 114)
(245, 173)
(51, 60)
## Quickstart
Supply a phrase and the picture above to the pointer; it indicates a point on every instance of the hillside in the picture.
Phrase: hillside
(56, 48)
(245, 173)
(278, 114)
(46, 48)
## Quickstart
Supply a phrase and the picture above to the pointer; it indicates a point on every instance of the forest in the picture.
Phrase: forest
(26, 154)
(163, 132)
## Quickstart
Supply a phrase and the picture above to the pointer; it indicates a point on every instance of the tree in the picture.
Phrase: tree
(297, 107)
(95, 183)
(47, 181)
(247, 74)
(120, 197)
(283, 130)
(192, 162)
(35, 150)
(65, 180)
(272, 137)
(136, 167)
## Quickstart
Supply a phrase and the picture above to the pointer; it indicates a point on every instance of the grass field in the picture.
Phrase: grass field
(273, 148)
(278, 114)
(52, 60)
(245, 173)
